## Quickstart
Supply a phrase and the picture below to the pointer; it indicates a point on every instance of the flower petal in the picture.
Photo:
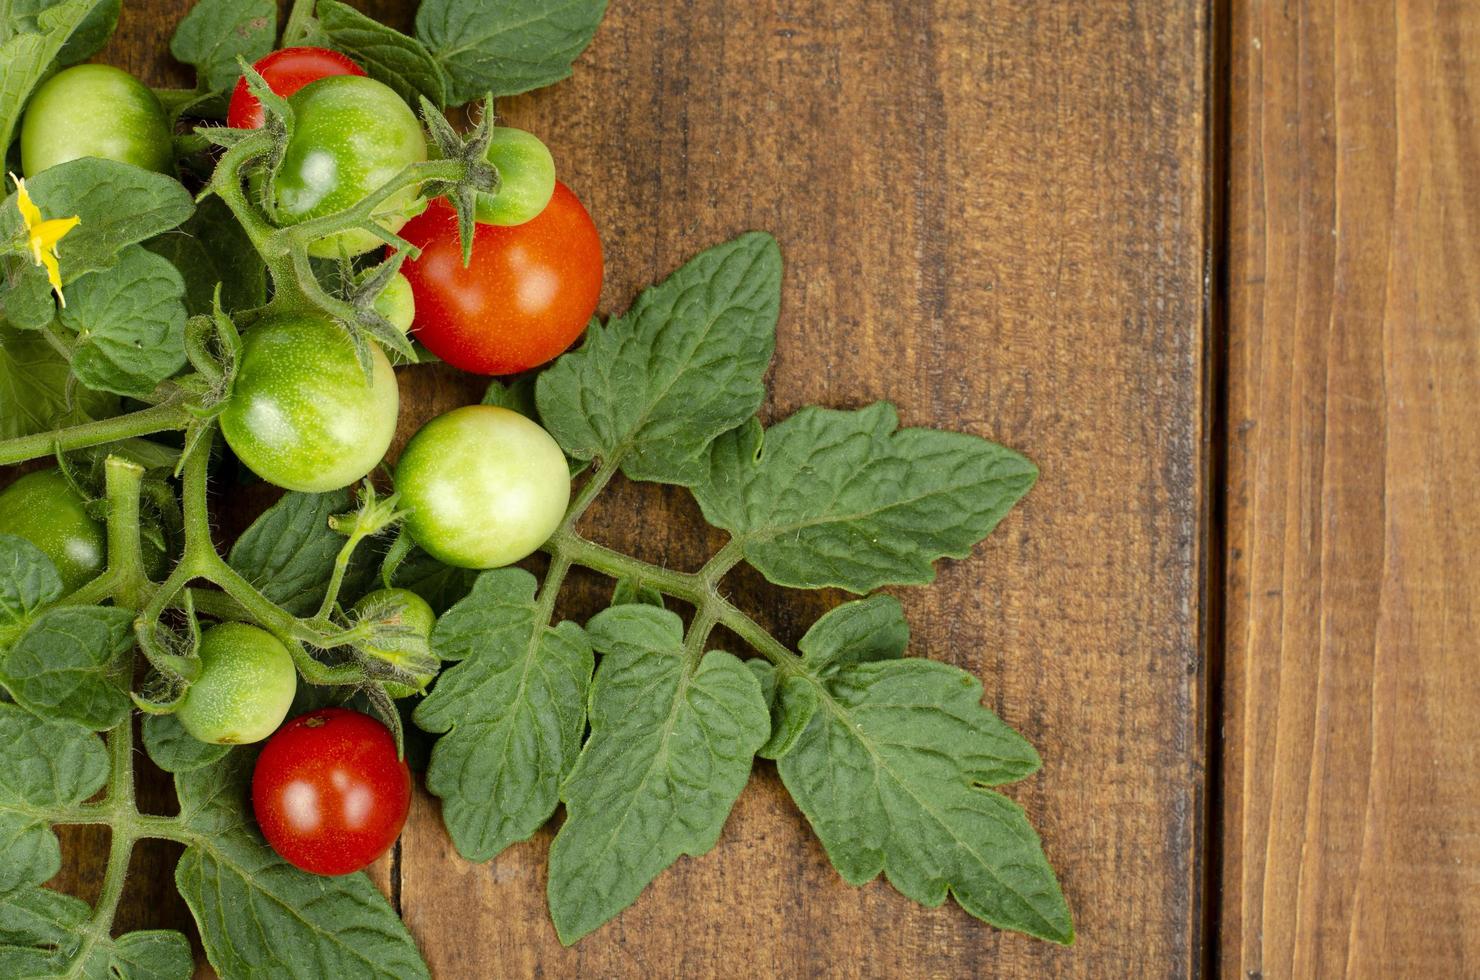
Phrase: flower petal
(51, 231)
(54, 276)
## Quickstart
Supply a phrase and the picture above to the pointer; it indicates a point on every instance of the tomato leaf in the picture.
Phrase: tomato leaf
(33, 388)
(119, 205)
(35, 36)
(259, 915)
(130, 323)
(43, 764)
(174, 749)
(28, 581)
(86, 40)
(36, 927)
(513, 711)
(26, 301)
(655, 386)
(890, 768)
(289, 551)
(386, 54)
(671, 744)
(229, 260)
(148, 954)
(65, 666)
(829, 498)
(215, 33)
(440, 585)
(506, 46)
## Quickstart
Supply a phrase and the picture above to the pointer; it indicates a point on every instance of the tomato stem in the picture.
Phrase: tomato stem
(124, 480)
(299, 17)
(120, 800)
(158, 418)
(699, 589)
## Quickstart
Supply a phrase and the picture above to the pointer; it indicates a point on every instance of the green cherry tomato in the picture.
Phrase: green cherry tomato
(526, 178)
(43, 508)
(301, 413)
(416, 616)
(95, 111)
(245, 687)
(482, 487)
(351, 134)
(396, 303)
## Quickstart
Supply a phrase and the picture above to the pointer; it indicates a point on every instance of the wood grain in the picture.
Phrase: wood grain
(994, 214)
(1352, 831)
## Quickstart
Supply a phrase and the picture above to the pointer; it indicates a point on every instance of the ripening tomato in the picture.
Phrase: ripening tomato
(482, 487)
(95, 111)
(396, 303)
(43, 508)
(527, 294)
(246, 685)
(526, 173)
(329, 792)
(285, 72)
(416, 617)
(302, 414)
(351, 135)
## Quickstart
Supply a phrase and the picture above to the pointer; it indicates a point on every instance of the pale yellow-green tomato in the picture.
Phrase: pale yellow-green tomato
(482, 487)
(396, 303)
(246, 685)
(526, 178)
(417, 616)
(95, 111)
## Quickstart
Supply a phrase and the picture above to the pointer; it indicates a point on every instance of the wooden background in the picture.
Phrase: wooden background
(1213, 265)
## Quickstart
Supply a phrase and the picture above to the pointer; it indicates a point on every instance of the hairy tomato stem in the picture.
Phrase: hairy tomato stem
(124, 481)
(695, 588)
(299, 17)
(158, 418)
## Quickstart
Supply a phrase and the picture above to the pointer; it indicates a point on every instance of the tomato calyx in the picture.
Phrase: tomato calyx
(471, 151)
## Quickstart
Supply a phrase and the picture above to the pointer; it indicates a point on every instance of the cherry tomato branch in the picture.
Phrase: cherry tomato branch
(120, 800)
(157, 418)
(699, 589)
(299, 19)
(125, 480)
(227, 183)
(362, 213)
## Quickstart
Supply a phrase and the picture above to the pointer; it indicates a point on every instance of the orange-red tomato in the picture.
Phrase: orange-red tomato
(285, 72)
(525, 297)
(329, 793)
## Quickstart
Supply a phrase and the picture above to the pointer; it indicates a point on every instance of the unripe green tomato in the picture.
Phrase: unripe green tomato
(351, 134)
(95, 111)
(43, 508)
(482, 487)
(396, 303)
(526, 178)
(417, 616)
(246, 685)
(301, 414)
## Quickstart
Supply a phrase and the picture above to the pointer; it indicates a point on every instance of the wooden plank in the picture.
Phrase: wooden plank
(993, 214)
(1352, 834)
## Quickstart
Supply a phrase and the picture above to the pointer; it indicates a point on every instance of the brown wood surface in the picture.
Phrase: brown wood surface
(993, 214)
(1352, 790)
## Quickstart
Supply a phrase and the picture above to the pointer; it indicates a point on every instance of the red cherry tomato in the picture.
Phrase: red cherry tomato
(329, 793)
(526, 295)
(285, 72)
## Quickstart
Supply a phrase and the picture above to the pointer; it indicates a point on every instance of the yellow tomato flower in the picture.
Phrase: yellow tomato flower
(43, 235)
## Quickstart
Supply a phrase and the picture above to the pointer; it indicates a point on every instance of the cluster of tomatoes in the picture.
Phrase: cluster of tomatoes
(482, 486)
